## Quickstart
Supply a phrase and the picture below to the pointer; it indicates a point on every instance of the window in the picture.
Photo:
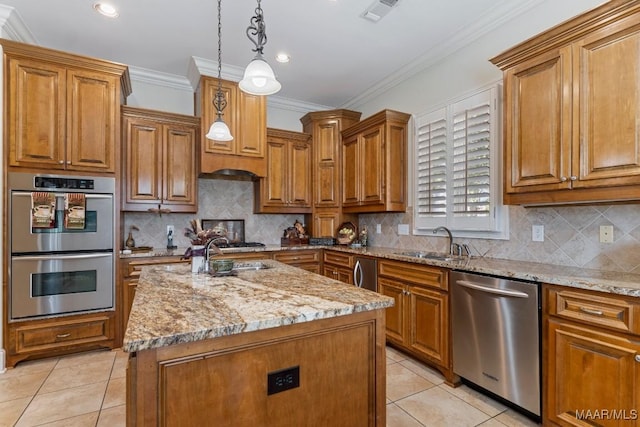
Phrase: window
(457, 168)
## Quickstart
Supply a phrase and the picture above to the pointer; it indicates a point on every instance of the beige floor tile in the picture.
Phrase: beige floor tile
(432, 375)
(11, 410)
(113, 417)
(436, 407)
(476, 399)
(119, 367)
(84, 358)
(512, 418)
(84, 373)
(396, 417)
(20, 386)
(67, 403)
(116, 393)
(492, 423)
(84, 420)
(401, 382)
(32, 367)
(394, 355)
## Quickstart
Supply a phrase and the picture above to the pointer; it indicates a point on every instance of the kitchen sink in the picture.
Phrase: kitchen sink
(254, 265)
(439, 256)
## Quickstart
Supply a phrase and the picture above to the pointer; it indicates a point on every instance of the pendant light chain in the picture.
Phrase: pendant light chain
(220, 102)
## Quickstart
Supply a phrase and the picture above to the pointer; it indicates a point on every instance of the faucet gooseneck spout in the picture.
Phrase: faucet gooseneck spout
(441, 228)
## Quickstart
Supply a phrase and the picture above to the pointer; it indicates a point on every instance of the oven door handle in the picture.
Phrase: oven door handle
(61, 194)
(63, 256)
(502, 292)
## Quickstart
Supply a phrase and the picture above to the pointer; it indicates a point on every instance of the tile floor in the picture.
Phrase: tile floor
(89, 390)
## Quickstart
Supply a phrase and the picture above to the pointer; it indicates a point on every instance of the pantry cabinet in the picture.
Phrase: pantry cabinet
(246, 116)
(159, 161)
(62, 110)
(418, 322)
(374, 164)
(325, 128)
(287, 186)
(571, 105)
(591, 358)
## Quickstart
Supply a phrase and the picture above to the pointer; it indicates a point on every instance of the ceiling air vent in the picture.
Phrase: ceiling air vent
(378, 9)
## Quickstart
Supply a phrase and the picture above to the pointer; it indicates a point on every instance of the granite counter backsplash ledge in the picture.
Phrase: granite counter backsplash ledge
(173, 305)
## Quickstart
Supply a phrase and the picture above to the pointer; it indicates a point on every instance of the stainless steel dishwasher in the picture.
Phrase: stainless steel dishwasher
(496, 336)
(365, 273)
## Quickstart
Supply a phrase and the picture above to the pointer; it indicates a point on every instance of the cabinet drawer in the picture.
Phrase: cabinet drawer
(297, 257)
(63, 334)
(603, 310)
(134, 267)
(417, 274)
(339, 258)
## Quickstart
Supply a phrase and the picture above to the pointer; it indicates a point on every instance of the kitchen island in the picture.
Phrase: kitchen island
(271, 347)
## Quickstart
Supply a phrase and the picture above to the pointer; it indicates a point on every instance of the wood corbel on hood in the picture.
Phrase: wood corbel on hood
(246, 116)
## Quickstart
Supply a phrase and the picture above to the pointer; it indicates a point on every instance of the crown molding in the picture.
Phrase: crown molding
(159, 78)
(294, 105)
(205, 67)
(13, 27)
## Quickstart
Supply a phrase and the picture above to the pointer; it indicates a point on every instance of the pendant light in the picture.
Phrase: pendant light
(219, 131)
(259, 78)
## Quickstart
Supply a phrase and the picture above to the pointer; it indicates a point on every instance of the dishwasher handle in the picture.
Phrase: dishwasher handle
(357, 269)
(502, 292)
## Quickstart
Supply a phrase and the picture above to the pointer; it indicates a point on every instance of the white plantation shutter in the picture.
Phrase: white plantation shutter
(457, 166)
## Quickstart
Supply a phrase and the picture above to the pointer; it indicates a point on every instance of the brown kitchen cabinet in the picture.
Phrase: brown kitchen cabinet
(287, 186)
(571, 104)
(159, 161)
(418, 322)
(374, 164)
(246, 116)
(307, 259)
(338, 266)
(325, 128)
(591, 356)
(62, 110)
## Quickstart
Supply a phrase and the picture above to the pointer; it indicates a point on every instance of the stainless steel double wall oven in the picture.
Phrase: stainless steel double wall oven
(57, 270)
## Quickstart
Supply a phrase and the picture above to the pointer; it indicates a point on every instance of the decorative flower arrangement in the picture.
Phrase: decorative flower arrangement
(198, 236)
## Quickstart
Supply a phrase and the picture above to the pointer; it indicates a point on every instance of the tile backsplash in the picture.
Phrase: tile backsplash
(571, 233)
(571, 236)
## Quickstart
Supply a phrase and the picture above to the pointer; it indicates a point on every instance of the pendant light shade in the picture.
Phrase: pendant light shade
(259, 78)
(219, 131)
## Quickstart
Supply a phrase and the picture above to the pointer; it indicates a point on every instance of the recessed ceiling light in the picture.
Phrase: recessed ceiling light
(283, 57)
(106, 9)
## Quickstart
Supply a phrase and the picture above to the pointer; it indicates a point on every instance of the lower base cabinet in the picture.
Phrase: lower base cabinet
(306, 259)
(338, 266)
(591, 361)
(418, 323)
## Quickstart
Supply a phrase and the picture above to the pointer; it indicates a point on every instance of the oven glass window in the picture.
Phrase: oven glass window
(66, 282)
(90, 224)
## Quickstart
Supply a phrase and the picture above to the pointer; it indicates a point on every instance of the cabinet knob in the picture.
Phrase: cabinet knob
(563, 178)
(68, 162)
(61, 162)
(637, 357)
(573, 177)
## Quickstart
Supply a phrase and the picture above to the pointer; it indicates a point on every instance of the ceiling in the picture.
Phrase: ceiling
(337, 57)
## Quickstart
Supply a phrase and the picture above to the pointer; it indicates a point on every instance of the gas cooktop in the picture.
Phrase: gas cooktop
(224, 245)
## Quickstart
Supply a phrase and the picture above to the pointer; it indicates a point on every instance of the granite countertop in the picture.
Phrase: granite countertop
(597, 280)
(173, 305)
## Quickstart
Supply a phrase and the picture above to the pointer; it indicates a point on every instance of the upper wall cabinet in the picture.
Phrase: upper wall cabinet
(374, 164)
(160, 151)
(287, 186)
(62, 111)
(246, 116)
(572, 103)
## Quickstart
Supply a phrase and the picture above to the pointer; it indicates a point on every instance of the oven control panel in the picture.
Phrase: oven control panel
(57, 182)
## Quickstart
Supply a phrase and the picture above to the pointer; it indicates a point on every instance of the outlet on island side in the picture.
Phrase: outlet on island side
(282, 380)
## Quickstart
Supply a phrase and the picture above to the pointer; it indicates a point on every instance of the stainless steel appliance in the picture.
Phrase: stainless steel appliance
(365, 273)
(232, 230)
(496, 336)
(58, 270)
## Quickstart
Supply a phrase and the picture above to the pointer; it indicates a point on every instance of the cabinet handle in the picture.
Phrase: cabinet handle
(637, 357)
(591, 311)
(63, 335)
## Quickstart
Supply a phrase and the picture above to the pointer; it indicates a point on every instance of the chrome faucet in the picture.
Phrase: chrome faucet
(207, 248)
(441, 228)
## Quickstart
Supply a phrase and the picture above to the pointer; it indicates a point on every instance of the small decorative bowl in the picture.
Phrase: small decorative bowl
(220, 265)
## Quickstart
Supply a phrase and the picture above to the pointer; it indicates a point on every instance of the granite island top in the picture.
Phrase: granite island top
(173, 305)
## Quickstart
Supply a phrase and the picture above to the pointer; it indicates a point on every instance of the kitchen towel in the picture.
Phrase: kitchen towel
(43, 210)
(74, 210)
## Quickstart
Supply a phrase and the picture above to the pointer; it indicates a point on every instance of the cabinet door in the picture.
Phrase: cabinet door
(325, 223)
(538, 109)
(428, 324)
(350, 171)
(394, 316)
(370, 171)
(92, 121)
(143, 166)
(326, 143)
(606, 128)
(300, 175)
(229, 115)
(179, 159)
(35, 106)
(275, 188)
(252, 125)
(590, 371)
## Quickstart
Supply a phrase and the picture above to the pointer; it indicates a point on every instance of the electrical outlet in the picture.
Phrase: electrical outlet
(378, 228)
(537, 233)
(606, 234)
(170, 230)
